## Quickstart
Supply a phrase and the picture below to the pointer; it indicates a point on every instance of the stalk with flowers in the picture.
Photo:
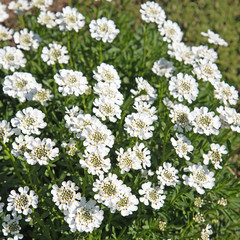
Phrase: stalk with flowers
(112, 130)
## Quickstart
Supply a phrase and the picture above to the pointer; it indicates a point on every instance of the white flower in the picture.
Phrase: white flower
(1, 205)
(199, 178)
(5, 131)
(203, 52)
(150, 93)
(225, 93)
(96, 162)
(109, 90)
(199, 218)
(142, 154)
(85, 217)
(26, 39)
(28, 121)
(139, 125)
(47, 18)
(71, 82)
(5, 33)
(204, 122)
(66, 196)
(152, 12)
(127, 160)
(229, 118)
(154, 195)
(182, 146)
(42, 95)
(127, 203)
(170, 31)
(12, 227)
(206, 232)
(103, 29)
(19, 146)
(106, 108)
(11, 58)
(71, 146)
(207, 71)
(56, 53)
(20, 85)
(41, 151)
(214, 38)
(97, 135)
(146, 108)
(78, 123)
(108, 74)
(181, 52)
(183, 87)
(167, 175)
(179, 115)
(42, 4)
(70, 19)
(22, 202)
(3, 14)
(107, 189)
(146, 173)
(222, 202)
(19, 6)
(215, 156)
(162, 67)
(168, 103)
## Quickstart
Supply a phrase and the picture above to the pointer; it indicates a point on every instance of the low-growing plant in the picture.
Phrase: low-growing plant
(112, 127)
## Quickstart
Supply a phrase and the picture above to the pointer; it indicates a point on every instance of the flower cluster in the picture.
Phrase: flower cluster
(111, 192)
(103, 29)
(35, 150)
(21, 203)
(12, 58)
(137, 158)
(110, 99)
(125, 143)
(71, 82)
(140, 124)
(80, 215)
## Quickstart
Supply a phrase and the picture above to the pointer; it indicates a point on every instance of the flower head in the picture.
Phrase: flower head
(167, 175)
(28, 121)
(66, 196)
(11, 58)
(182, 146)
(214, 38)
(70, 19)
(199, 178)
(152, 12)
(152, 194)
(26, 39)
(55, 53)
(71, 82)
(103, 29)
(22, 201)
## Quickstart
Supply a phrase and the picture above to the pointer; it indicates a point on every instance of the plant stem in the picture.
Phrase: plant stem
(100, 51)
(20, 16)
(144, 46)
(69, 48)
(29, 176)
(9, 154)
(165, 141)
(85, 181)
(51, 174)
(188, 225)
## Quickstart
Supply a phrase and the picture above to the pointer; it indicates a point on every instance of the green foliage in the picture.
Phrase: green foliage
(132, 53)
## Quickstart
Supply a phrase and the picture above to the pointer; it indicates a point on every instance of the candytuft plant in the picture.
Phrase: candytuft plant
(112, 127)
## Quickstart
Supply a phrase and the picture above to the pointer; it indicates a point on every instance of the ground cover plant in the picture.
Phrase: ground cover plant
(112, 127)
